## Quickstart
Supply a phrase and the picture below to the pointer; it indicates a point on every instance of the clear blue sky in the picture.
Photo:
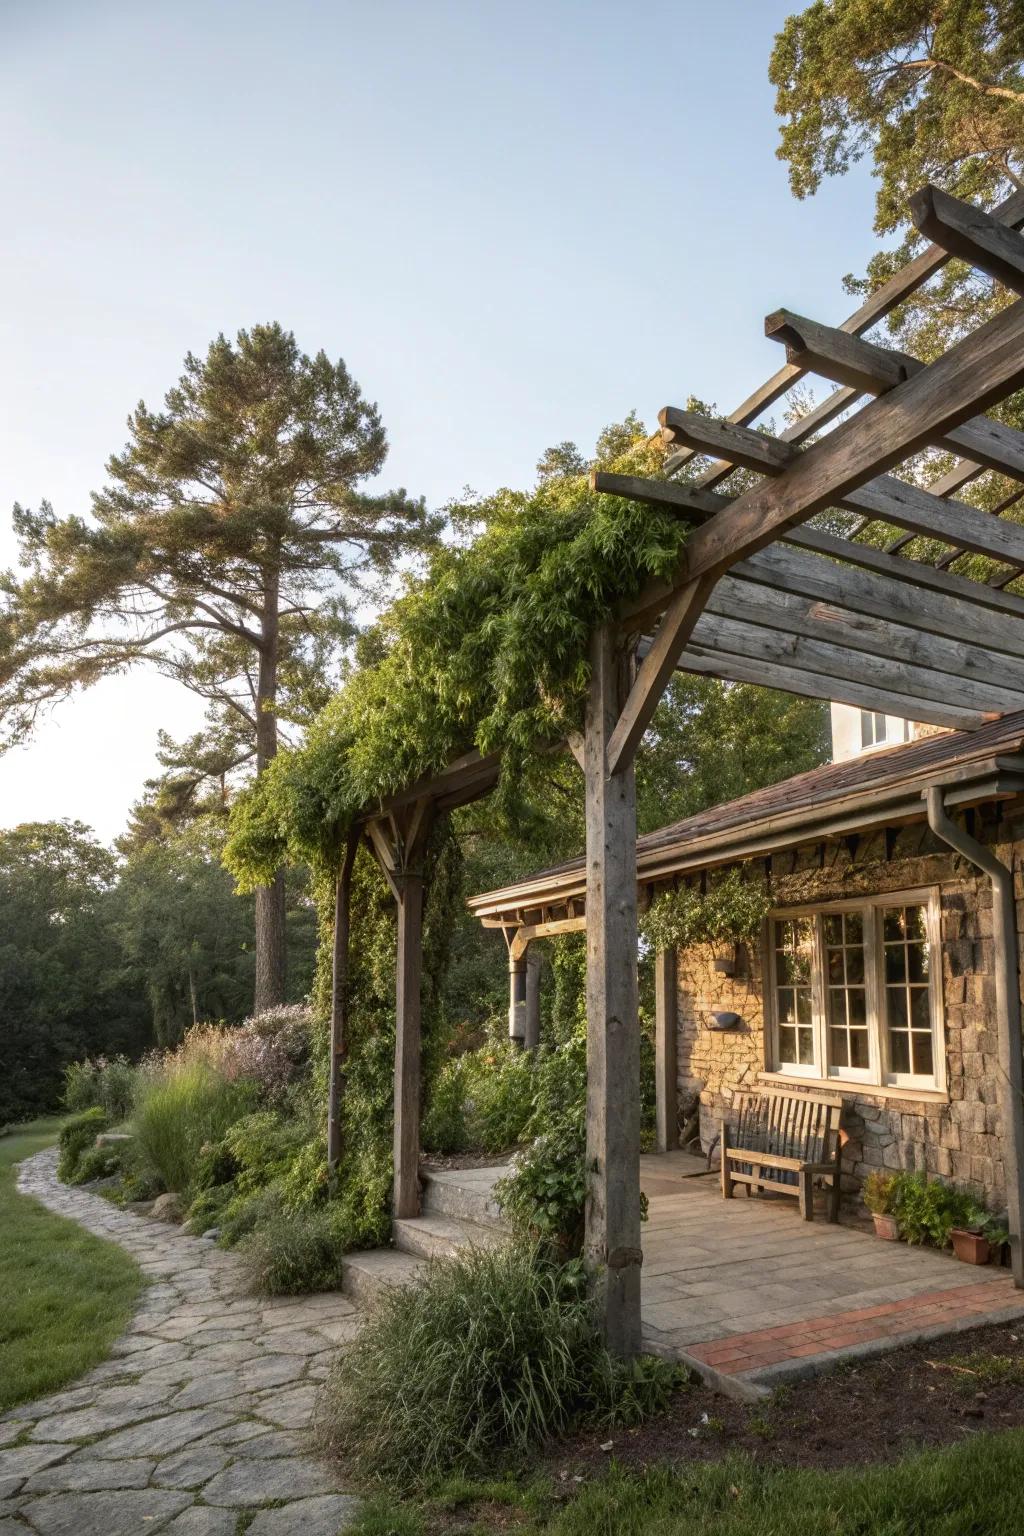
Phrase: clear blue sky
(514, 222)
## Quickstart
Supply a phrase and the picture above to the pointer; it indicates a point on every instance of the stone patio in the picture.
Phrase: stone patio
(751, 1295)
(197, 1423)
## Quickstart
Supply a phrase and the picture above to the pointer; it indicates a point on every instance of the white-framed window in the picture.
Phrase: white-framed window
(854, 991)
(877, 729)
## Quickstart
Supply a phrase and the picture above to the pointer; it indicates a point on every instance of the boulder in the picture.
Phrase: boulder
(169, 1207)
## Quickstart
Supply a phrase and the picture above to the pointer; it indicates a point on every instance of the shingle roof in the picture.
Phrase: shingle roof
(872, 776)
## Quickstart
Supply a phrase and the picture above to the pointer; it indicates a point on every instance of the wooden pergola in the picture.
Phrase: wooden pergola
(760, 597)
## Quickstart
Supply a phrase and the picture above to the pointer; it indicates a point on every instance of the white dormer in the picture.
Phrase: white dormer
(862, 730)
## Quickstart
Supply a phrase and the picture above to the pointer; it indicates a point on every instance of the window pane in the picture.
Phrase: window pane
(859, 1055)
(803, 1005)
(858, 1007)
(916, 925)
(923, 1054)
(839, 1048)
(787, 1043)
(854, 928)
(896, 998)
(892, 924)
(917, 962)
(783, 968)
(786, 1010)
(833, 929)
(855, 965)
(920, 1008)
(895, 962)
(899, 1050)
(806, 1047)
(835, 967)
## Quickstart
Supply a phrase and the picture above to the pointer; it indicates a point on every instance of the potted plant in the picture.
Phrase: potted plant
(978, 1239)
(879, 1196)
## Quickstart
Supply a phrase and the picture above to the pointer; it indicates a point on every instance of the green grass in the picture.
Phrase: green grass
(974, 1489)
(64, 1294)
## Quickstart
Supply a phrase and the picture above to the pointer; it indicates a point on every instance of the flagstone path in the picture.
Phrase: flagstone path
(197, 1424)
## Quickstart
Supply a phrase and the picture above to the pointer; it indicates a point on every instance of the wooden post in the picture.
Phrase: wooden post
(406, 1199)
(339, 1000)
(517, 998)
(531, 1031)
(666, 1063)
(613, 1253)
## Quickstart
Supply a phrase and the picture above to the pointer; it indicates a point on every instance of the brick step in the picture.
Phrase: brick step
(365, 1275)
(463, 1195)
(439, 1237)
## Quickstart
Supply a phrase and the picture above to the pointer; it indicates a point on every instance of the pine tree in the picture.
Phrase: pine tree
(227, 550)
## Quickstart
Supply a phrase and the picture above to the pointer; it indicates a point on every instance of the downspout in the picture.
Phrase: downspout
(1008, 1026)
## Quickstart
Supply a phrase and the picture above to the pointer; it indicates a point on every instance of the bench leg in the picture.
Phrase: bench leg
(723, 1146)
(806, 1195)
(833, 1198)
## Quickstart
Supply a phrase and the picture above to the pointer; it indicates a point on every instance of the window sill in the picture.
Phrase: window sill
(855, 1089)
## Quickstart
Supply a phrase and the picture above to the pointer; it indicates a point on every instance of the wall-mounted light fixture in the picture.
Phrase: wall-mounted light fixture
(723, 1021)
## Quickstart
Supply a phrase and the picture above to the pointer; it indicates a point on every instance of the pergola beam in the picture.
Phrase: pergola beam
(730, 667)
(697, 506)
(836, 660)
(884, 497)
(874, 370)
(774, 608)
(970, 234)
(874, 308)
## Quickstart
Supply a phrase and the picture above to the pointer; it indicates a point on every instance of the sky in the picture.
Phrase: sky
(514, 223)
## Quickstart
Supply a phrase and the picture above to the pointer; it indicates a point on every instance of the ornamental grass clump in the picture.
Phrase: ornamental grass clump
(495, 1353)
(180, 1107)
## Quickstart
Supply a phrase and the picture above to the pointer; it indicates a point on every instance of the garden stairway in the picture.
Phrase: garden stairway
(458, 1210)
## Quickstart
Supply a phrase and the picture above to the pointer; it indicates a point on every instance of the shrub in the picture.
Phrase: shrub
(927, 1209)
(262, 1145)
(493, 1353)
(98, 1163)
(482, 1100)
(106, 1082)
(880, 1192)
(77, 1135)
(545, 1194)
(208, 1207)
(292, 1253)
(179, 1108)
(244, 1213)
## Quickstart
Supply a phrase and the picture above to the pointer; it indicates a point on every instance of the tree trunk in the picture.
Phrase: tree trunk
(270, 908)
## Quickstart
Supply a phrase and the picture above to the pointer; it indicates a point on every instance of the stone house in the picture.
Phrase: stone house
(875, 970)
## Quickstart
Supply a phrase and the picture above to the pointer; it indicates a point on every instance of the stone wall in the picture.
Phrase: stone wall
(958, 1139)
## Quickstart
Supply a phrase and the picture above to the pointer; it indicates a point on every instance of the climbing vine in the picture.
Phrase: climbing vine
(732, 907)
(487, 650)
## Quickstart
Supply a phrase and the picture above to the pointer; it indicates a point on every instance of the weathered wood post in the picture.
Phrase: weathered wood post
(666, 1065)
(531, 1023)
(339, 999)
(613, 1252)
(406, 1199)
(517, 997)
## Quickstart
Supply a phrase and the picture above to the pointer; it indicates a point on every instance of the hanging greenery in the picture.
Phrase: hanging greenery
(488, 650)
(731, 908)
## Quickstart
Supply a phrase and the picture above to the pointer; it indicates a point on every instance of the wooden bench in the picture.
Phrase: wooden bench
(783, 1141)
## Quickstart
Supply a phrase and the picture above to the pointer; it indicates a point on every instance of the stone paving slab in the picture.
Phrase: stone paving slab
(201, 1416)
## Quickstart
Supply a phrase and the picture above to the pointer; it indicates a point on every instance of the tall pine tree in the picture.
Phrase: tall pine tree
(227, 551)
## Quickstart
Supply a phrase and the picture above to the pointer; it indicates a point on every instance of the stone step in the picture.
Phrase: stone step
(439, 1237)
(463, 1195)
(365, 1275)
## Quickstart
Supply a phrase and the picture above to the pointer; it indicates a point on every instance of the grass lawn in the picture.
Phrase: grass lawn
(973, 1489)
(64, 1295)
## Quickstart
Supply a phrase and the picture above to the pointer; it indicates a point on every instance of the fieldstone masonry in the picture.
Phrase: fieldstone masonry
(197, 1424)
(957, 1137)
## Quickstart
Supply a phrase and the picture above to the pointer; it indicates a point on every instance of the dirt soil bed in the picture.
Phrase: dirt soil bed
(872, 1411)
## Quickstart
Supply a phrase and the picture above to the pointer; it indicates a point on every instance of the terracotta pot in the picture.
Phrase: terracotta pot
(886, 1226)
(970, 1247)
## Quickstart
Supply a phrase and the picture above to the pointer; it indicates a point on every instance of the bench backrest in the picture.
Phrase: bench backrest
(800, 1125)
